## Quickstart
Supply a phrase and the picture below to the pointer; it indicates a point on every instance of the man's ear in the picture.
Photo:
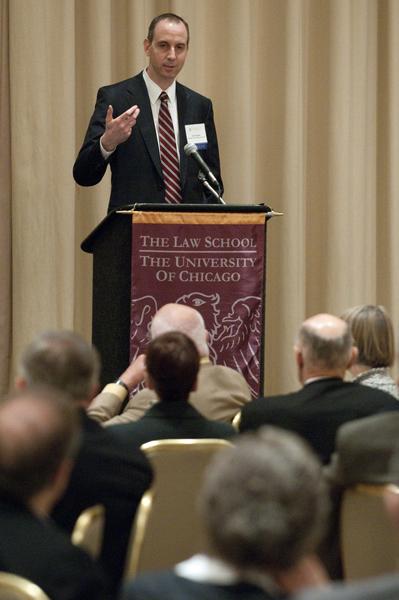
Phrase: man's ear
(195, 385)
(148, 381)
(20, 383)
(298, 357)
(391, 501)
(94, 390)
(353, 357)
(62, 476)
(146, 45)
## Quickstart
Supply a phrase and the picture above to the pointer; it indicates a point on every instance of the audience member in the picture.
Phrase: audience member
(385, 587)
(220, 394)
(39, 436)
(171, 369)
(108, 470)
(363, 451)
(264, 504)
(372, 331)
(323, 353)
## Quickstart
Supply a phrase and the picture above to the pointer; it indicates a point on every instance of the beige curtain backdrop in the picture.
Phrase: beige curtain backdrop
(306, 97)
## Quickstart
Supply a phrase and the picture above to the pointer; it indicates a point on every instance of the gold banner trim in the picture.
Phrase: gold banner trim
(198, 218)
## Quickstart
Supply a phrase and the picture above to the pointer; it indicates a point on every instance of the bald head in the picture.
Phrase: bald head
(38, 430)
(324, 347)
(178, 317)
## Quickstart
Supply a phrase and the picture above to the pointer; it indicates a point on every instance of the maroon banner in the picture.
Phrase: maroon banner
(212, 262)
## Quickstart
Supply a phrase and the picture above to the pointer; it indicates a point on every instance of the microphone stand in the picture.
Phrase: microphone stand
(208, 186)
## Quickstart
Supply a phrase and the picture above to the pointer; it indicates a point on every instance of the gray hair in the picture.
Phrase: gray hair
(264, 501)
(327, 352)
(63, 360)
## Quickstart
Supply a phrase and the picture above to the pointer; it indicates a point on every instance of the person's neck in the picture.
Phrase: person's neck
(41, 504)
(358, 369)
(308, 374)
(164, 84)
(308, 572)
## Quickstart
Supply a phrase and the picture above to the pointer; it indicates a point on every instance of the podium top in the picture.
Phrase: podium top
(122, 211)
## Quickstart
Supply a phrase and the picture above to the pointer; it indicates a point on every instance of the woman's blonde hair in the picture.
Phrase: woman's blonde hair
(372, 332)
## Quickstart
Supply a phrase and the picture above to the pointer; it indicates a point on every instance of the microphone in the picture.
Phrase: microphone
(192, 150)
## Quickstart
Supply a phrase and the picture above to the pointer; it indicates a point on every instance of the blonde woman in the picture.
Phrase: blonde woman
(372, 332)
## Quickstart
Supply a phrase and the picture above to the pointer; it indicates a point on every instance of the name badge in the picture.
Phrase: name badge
(196, 134)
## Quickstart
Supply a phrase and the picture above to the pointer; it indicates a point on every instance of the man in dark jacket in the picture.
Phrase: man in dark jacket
(171, 369)
(108, 470)
(125, 130)
(323, 353)
(39, 436)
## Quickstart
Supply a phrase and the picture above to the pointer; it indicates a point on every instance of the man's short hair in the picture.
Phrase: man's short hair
(264, 501)
(172, 362)
(325, 352)
(63, 360)
(373, 336)
(39, 428)
(166, 17)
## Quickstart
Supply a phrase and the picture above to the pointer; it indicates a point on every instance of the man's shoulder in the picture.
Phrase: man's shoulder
(124, 83)
(160, 414)
(103, 445)
(167, 585)
(221, 372)
(191, 94)
(385, 422)
(224, 430)
(381, 588)
(53, 558)
(265, 403)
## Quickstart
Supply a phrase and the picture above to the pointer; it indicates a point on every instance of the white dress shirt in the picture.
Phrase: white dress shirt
(154, 91)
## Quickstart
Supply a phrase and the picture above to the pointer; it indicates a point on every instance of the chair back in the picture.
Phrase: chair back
(89, 529)
(14, 587)
(236, 422)
(369, 541)
(167, 527)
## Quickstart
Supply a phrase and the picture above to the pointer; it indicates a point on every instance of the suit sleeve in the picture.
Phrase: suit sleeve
(90, 166)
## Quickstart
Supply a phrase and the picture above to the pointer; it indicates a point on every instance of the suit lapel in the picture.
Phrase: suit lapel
(145, 121)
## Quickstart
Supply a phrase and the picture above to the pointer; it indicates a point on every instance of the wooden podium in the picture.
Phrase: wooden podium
(111, 245)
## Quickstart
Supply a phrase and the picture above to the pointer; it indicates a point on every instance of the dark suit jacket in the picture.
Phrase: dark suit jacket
(36, 549)
(363, 451)
(171, 420)
(135, 164)
(380, 588)
(166, 585)
(111, 472)
(317, 410)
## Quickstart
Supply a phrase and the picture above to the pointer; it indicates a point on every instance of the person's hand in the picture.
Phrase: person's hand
(118, 130)
(134, 374)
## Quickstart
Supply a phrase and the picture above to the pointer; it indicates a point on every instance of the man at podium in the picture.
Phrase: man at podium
(140, 127)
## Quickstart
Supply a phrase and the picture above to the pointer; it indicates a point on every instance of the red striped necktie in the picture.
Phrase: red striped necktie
(168, 153)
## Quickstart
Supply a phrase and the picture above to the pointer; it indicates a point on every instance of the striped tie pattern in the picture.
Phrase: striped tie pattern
(168, 153)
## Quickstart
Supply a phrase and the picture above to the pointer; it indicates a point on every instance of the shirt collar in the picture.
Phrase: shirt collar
(313, 379)
(154, 90)
(209, 569)
(203, 568)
